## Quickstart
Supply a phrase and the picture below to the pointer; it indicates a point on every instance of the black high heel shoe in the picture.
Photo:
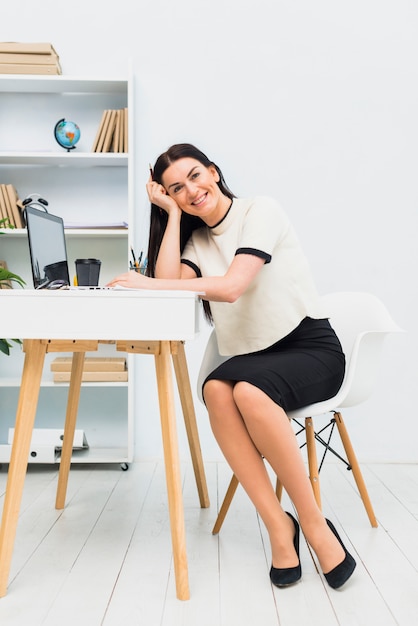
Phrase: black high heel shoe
(285, 576)
(342, 572)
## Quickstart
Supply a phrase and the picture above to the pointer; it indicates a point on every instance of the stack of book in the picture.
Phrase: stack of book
(10, 207)
(96, 369)
(112, 134)
(28, 58)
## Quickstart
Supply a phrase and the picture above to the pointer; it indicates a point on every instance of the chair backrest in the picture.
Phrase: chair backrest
(361, 322)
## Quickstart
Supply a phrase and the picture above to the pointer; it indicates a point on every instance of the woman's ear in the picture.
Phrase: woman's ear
(215, 173)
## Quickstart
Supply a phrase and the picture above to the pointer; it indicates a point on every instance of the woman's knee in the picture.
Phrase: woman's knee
(217, 392)
(245, 394)
(255, 405)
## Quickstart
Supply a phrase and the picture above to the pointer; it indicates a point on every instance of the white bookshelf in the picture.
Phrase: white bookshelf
(82, 187)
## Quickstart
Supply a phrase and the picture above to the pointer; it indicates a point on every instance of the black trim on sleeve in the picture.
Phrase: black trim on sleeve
(255, 252)
(193, 266)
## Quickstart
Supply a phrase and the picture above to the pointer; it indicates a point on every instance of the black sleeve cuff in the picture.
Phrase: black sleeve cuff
(255, 252)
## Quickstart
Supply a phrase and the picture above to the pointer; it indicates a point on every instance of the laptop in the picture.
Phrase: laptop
(48, 251)
(47, 248)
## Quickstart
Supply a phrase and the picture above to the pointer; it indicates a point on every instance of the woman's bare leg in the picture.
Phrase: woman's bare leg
(248, 425)
(247, 464)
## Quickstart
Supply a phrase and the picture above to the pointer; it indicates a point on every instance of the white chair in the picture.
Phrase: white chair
(361, 322)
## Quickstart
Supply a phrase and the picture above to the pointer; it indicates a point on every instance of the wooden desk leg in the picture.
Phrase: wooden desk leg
(25, 418)
(186, 399)
(69, 429)
(172, 467)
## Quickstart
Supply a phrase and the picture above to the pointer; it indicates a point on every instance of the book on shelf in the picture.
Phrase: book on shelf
(3, 214)
(93, 377)
(91, 364)
(5, 208)
(24, 58)
(109, 131)
(125, 126)
(27, 48)
(29, 68)
(28, 58)
(14, 199)
(111, 135)
(101, 133)
(9, 206)
(95, 369)
(119, 147)
(116, 134)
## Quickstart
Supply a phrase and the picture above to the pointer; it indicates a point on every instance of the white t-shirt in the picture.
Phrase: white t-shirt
(283, 292)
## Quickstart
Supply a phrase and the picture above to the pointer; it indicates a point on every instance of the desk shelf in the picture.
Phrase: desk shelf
(83, 187)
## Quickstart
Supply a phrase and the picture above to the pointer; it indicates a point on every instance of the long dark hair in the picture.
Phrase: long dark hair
(188, 223)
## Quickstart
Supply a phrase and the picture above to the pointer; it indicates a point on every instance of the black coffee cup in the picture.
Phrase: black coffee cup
(87, 271)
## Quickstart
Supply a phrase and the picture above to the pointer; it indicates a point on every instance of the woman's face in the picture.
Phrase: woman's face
(194, 187)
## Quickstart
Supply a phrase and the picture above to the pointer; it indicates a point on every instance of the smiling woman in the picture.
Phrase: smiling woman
(190, 165)
(244, 257)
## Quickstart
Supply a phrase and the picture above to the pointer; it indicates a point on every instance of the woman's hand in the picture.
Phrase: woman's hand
(158, 196)
(130, 280)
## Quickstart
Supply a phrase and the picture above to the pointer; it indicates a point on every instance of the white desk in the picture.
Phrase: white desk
(146, 322)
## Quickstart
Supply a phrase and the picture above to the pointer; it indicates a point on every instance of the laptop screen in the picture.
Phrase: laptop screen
(48, 253)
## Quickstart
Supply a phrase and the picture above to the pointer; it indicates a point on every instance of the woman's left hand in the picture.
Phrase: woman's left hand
(130, 280)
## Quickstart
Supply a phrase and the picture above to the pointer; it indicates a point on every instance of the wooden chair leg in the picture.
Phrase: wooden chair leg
(358, 477)
(279, 490)
(228, 499)
(225, 504)
(312, 460)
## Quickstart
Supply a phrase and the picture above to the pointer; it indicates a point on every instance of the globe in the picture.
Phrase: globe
(67, 134)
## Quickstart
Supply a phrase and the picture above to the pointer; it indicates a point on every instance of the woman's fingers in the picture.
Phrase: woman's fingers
(131, 279)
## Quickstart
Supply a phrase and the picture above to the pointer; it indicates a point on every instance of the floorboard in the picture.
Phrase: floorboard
(106, 560)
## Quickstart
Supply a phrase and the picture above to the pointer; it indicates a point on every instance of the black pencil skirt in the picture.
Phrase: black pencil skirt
(305, 367)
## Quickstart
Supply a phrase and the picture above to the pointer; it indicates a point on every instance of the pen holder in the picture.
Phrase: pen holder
(88, 271)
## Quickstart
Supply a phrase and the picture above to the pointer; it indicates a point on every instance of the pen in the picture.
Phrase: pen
(151, 171)
(134, 258)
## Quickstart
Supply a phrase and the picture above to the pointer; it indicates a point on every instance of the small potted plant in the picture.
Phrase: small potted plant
(6, 278)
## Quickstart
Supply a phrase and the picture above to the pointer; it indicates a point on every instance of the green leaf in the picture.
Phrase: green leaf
(5, 275)
(5, 224)
(5, 346)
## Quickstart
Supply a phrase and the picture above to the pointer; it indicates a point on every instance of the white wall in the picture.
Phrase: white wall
(312, 102)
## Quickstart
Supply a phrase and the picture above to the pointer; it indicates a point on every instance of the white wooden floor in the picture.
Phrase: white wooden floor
(106, 559)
